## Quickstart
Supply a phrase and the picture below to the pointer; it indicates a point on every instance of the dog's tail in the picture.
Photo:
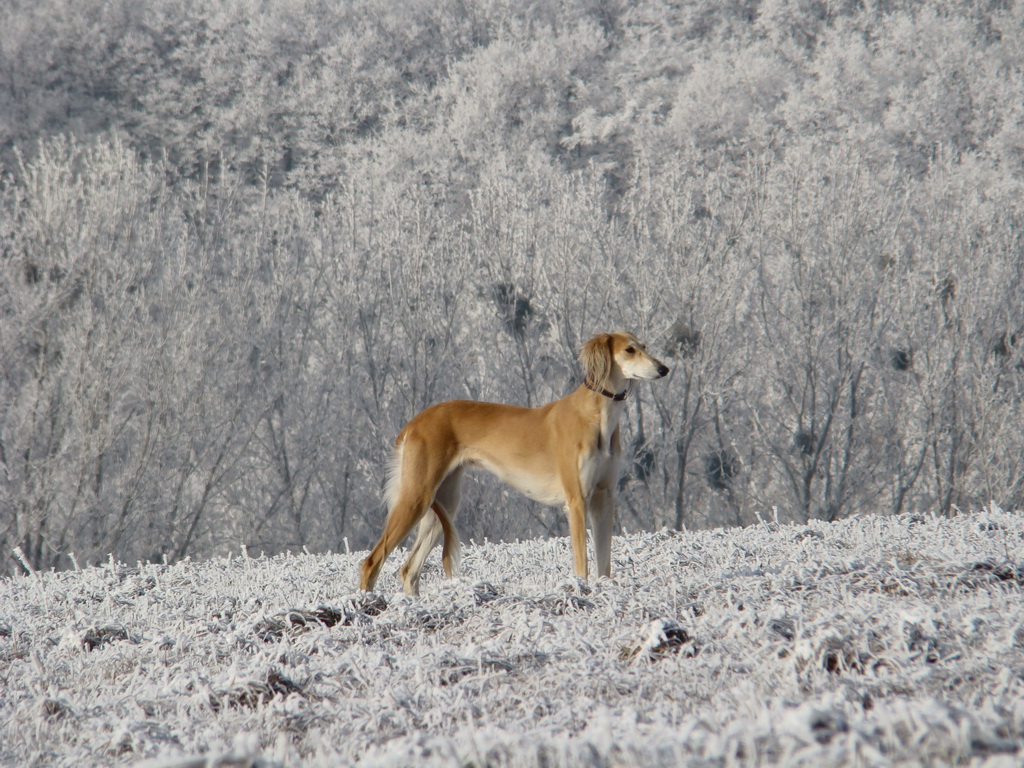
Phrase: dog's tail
(393, 476)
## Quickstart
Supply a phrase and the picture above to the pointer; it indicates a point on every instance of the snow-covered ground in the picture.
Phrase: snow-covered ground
(869, 642)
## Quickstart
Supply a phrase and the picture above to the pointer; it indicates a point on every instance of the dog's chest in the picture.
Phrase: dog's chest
(600, 463)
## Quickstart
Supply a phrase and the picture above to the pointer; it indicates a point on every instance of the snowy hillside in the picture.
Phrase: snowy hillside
(873, 641)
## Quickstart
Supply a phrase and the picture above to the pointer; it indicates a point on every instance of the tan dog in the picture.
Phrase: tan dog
(563, 453)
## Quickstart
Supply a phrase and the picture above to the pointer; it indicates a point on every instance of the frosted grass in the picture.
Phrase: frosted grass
(868, 642)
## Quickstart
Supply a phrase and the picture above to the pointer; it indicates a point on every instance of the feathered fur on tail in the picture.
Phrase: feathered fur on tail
(393, 477)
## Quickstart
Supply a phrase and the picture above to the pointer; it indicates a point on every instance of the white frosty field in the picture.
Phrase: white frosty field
(869, 642)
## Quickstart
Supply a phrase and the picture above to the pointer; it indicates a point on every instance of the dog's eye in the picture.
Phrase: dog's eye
(630, 351)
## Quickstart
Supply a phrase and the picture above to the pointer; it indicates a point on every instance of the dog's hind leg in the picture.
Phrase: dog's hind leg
(444, 506)
(419, 475)
(426, 538)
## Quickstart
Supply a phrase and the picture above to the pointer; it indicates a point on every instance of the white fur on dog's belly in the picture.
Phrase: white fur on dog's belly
(544, 488)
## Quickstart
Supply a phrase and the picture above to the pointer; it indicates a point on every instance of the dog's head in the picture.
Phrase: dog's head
(609, 356)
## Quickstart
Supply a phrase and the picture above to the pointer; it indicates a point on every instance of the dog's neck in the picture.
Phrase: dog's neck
(610, 397)
(615, 386)
(616, 396)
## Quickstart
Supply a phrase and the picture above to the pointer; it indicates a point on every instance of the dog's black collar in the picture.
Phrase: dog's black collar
(602, 391)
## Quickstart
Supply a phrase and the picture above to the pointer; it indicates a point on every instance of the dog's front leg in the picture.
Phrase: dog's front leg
(602, 520)
(578, 533)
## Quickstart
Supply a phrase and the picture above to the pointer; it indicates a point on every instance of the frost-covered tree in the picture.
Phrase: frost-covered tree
(241, 244)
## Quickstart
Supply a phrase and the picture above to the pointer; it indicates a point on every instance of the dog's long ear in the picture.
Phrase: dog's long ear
(596, 359)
